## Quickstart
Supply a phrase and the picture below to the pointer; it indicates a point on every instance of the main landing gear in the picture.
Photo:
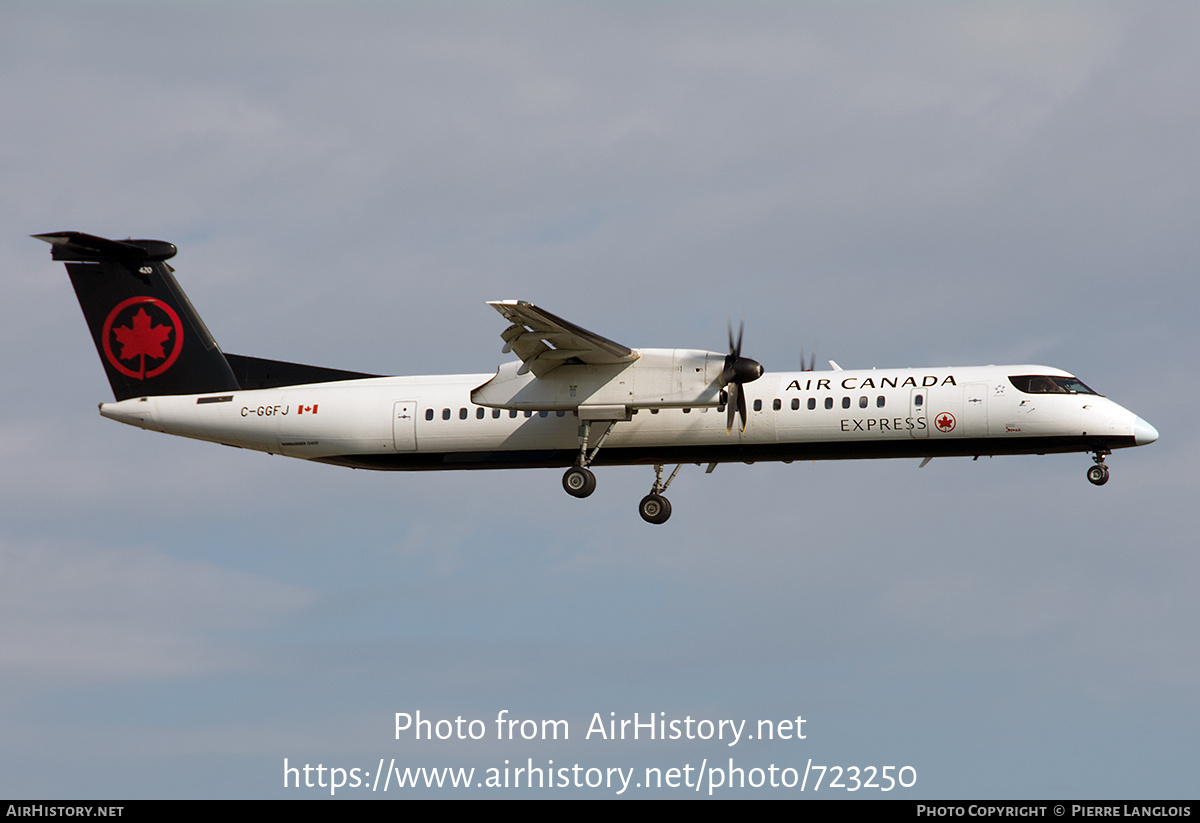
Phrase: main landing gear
(655, 508)
(1097, 475)
(579, 481)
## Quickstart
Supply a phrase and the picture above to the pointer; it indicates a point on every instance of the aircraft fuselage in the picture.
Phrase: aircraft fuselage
(426, 423)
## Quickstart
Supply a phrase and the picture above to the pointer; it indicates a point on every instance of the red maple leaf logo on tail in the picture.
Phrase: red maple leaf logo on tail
(142, 338)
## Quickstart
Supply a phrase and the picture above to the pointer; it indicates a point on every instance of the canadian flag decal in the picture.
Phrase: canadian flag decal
(307, 409)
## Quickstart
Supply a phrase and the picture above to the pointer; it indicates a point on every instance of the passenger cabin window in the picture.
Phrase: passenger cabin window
(495, 414)
(1048, 384)
(429, 414)
(758, 405)
(845, 402)
(879, 401)
(796, 403)
(479, 413)
(812, 403)
(776, 405)
(462, 414)
(512, 412)
(829, 402)
(862, 402)
(445, 414)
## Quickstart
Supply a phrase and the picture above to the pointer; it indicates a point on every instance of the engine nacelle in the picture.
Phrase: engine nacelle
(658, 379)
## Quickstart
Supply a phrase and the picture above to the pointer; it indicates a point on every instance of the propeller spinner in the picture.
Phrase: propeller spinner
(738, 371)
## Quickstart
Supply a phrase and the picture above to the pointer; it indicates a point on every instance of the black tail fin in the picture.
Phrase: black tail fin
(150, 339)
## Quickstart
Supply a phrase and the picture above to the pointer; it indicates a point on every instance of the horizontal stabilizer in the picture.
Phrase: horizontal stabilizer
(75, 245)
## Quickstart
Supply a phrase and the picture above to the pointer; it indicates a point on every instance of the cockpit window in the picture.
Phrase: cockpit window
(1048, 384)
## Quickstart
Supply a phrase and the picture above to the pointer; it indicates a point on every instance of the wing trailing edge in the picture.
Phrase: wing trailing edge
(545, 341)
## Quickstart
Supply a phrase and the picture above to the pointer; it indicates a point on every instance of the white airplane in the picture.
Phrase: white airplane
(574, 399)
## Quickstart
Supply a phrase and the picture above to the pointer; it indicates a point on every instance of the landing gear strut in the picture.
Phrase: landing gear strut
(579, 480)
(1097, 475)
(655, 508)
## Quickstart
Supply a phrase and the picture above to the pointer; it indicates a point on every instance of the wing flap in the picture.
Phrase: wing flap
(545, 341)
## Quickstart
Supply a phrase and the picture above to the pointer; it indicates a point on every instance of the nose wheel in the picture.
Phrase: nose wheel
(1097, 475)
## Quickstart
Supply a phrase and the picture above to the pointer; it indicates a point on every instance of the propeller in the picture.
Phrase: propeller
(738, 370)
(812, 363)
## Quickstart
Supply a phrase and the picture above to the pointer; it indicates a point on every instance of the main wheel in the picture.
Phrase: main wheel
(1098, 474)
(579, 482)
(655, 509)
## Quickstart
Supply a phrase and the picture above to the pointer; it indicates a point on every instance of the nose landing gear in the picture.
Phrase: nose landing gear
(1097, 475)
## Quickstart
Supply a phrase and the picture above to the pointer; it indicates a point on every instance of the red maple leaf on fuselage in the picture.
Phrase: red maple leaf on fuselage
(142, 338)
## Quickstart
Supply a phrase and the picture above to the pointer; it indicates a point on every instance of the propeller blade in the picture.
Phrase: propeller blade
(812, 361)
(737, 371)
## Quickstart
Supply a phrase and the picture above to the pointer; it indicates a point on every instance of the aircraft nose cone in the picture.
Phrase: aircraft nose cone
(1143, 432)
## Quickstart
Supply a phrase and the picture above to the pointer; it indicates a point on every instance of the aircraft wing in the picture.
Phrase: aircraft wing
(544, 341)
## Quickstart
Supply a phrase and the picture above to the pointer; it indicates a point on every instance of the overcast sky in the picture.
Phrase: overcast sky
(919, 184)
